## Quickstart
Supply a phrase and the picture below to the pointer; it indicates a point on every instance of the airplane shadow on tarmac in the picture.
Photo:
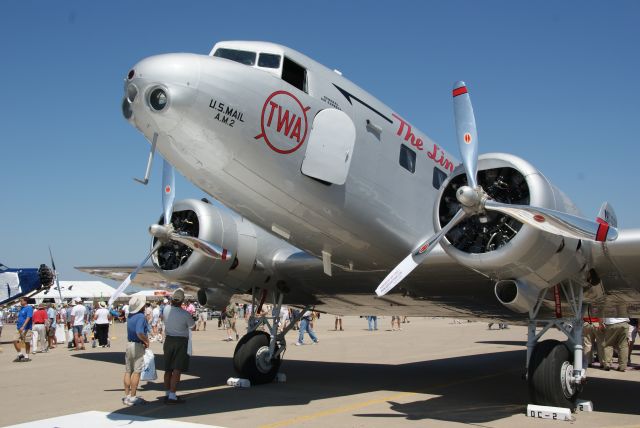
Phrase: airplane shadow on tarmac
(470, 389)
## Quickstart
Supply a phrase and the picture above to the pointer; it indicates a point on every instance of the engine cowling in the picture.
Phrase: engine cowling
(214, 298)
(501, 247)
(215, 224)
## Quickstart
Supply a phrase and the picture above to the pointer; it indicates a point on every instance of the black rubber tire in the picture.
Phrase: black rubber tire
(545, 380)
(244, 358)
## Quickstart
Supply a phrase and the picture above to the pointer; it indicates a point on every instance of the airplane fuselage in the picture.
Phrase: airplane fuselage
(240, 133)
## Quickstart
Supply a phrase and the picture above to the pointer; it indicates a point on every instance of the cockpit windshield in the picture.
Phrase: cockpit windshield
(264, 60)
(243, 57)
(269, 60)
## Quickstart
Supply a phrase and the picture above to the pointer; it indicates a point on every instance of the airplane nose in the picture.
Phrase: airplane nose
(160, 84)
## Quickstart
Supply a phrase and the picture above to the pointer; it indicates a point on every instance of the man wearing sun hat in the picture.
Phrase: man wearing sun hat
(78, 314)
(138, 341)
(177, 324)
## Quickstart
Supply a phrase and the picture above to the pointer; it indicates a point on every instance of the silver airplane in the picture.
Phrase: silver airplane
(328, 199)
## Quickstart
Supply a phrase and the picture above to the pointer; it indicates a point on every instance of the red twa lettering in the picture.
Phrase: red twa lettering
(286, 120)
(290, 122)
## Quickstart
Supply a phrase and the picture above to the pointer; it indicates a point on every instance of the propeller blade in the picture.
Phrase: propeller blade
(55, 274)
(132, 275)
(556, 222)
(204, 247)
(416, 257)
(168, 194)
(466, 132)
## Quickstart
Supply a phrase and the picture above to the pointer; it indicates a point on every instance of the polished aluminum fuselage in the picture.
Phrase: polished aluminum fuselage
(211, 133)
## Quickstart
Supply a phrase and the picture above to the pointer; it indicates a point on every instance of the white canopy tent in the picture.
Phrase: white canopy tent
(86, 290)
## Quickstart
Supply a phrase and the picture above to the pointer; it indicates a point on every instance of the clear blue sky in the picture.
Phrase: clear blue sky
(555, 82)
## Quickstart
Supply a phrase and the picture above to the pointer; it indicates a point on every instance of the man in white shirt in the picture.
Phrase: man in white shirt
(77, 322)
(615, 335)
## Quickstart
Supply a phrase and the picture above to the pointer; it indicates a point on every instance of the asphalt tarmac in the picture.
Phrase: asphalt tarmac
(432, 373)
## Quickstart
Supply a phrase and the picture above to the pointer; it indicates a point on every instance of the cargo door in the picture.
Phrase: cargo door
(330, 147)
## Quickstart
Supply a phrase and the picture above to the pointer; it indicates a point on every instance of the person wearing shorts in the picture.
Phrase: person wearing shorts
(23, 333)
(177, 324)
(78, 314)
(51, 331)
(137, 342)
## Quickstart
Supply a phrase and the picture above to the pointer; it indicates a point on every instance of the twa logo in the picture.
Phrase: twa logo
(284, 122)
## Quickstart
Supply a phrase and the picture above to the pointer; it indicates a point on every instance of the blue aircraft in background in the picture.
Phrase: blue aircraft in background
(15, 283)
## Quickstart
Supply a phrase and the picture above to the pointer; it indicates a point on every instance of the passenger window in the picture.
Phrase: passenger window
(439, 177)
(243, 57)
(269, 60)
(294, 74)
(407, 158)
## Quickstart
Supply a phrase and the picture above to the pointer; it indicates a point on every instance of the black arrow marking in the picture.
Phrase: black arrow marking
(349, 97)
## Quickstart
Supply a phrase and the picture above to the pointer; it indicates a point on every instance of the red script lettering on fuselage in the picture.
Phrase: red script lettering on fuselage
(436, 153)
(283, 123)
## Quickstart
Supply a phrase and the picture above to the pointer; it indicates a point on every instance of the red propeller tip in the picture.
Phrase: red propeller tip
(459, 91)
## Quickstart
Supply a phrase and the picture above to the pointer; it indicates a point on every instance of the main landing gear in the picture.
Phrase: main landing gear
(258, 354)
(554, 369)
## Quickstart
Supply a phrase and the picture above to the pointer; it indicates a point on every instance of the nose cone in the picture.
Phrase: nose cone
(160, 89)
(179, 69)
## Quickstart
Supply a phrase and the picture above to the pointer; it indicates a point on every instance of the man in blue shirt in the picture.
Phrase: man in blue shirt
(138, 341)
(24, 333)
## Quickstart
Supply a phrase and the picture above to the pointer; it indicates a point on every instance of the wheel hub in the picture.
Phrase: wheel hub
(263, 359)
(566, 379)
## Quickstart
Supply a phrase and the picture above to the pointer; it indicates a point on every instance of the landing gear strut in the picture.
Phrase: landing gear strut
(554, 369)
(258, 354)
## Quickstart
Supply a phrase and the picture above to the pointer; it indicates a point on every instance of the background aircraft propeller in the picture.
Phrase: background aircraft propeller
(165, 232)
(475, 201)
(55, 274)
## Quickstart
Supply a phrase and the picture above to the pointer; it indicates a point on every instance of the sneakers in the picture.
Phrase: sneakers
(19, 358)
(134, 401)
(176, 400)
(316, 342)
(299, 343)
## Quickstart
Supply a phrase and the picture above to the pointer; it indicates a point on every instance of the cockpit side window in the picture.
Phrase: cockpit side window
(243, 57)
(294, 74)
(269, 60)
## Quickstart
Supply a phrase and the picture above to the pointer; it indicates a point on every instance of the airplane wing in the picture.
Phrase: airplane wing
(438, 287)
(441, 287)
(619, 271)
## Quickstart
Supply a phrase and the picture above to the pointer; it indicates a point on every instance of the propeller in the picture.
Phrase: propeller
(475, 201)
(416, 257)
(165, 233)
(55, 274)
